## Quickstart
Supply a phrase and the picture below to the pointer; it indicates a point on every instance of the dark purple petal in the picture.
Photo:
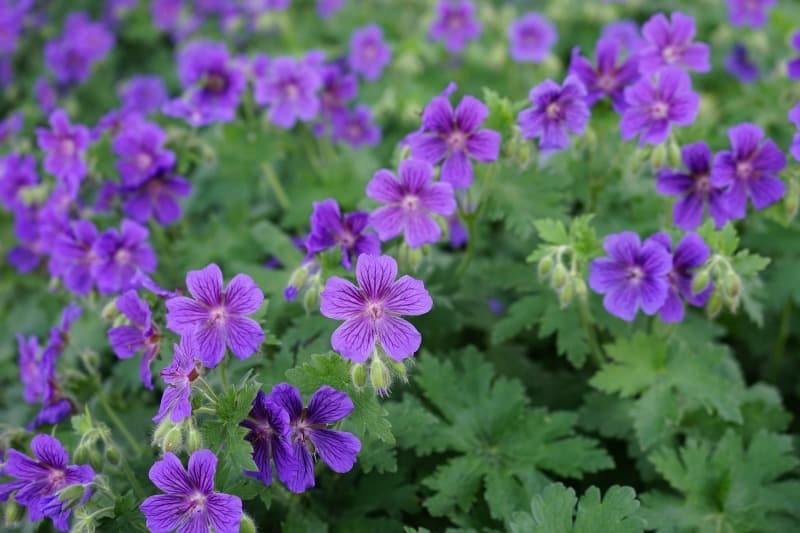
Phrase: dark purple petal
(398, 337)
(341, 299)
(244, 336)
(170, 477)
(328, 405)
(354, 339)
(337, 449)
(206, 285)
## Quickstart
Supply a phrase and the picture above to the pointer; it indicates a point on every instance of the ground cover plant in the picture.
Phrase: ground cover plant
(384, 265)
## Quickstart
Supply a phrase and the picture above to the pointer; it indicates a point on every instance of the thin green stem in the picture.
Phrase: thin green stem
(126, 469)
(780, 342)
(223, 374)
(120, 426)
(588, 325)
(275, 183)
(471, 220)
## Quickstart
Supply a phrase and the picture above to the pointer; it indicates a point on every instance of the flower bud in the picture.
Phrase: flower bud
(399, 369)
(700, 281)
(791, 203)
(545, 267)
(658, 157)
(565, 295)
(312, 297)
(358, 375)
(246, 525)
(733, 285)
(112, 455)
(560, 276)
(674, 155)
(172, 440)
(71, 495)
(161, 431)
(714, 305)
(194, 440)
(581, 291)
(81, 455)
(298, 278)
(110, 311)
(95, 459)
(379, 377)
(12, 513)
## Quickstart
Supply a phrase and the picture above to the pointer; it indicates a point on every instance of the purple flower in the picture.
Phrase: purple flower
(166, 13)
(290, 89)
(609, 78)
(51, 413)
(625, 32)
(356, 127)
(11, 126)
(794, 118)
(455, 136)
(455, 24)
(695, 189)
(30, 371)
(65, 146)
(371, 312)
(178, 376)
(12, 19)
(216, 317)
(691, 253)
(749, 168)
(738, 63)
(82, 43)
(156, 197)
(793, 66)
(17, 172)
(143, 94)
(141, 152)
(531, 38)
(309, 431)
(655, 104)
(555, 112)
(410, 203)
(670, 43)
(269, 435)
(459, 236)
(751, 13)
(633, 276)
(329, 229)
(140, 334)
(38, 483)
(190, 503)
(338, 88)
(46, 96)
(73, 257)
(328, 8)
(369, 53)
(121, 254)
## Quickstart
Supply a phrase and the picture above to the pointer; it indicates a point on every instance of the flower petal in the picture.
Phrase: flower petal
(243, 296)
(355, 339)
(169, 476)
(398, 337)
(337, 449)
(341, 299)
(384, 187)
(244, 336)
(224, 512)
(164, 512)
(287, 397)
(408, 296)
(209, 339)
(206, 285)
(375, 274)
(328, 405)
(184, 314)
(202, 468)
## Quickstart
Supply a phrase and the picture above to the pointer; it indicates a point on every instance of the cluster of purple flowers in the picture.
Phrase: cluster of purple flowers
(82, 44)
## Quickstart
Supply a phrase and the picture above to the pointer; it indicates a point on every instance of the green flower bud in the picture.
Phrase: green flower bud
(81, 455)
(545, 267)
(560, 276)
(379, 377)
(246, 525)
(732, 285)
(172, 440)
(358, 375)
(194, 440)
(161, 431)
(674, 154)
(399, 369)
(581, 290)
(298, 278)
(566, 294)
(700, 281)
(110, 311)
(12, 512)
(95, 459)
(791, 202)
(658, 157)
(714, 305)
(112, 455)
(312, 297)
(72, 495)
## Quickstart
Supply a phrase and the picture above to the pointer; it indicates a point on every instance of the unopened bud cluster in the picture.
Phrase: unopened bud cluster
(727, 285)
(380, 371)
(566, 281)
(305, 282)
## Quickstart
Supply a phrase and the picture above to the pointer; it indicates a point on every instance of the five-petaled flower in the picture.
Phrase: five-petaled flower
(140, 334)
(690, 253)
(330, 229)
(531, 37)
(556, 110)
(65, 145)
(610, 77)
(179, 376)
(669, 43)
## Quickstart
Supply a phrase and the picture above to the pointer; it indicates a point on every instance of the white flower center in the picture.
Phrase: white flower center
(68, 146)
(659, 110)
(374, 310)
(671, 54)
(635, 273)
(410, 202)
(122, 256)
(553, 110)
(144, 160)
(744, 169)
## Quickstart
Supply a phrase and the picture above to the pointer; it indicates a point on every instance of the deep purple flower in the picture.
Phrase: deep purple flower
(691, 253)
(216, 317)
(156, 197)
(455, 24)
(633, 276)
(290, 89)
(531, 38)
(121, 254)
(338, 88)
(65, 146)
(625, 32)
(30, 370)
(82, 43)
(269, 435)
(166, 13)
(46, 96)
(670, 43)
(73, 257)
(555, 112)
(609, 78)
(54, 411)
(328, 8)
(140, 334)
(749, 168)
(309, 431)
(751, 13)
(793, 66)
(143, 94)
(455, 136)
(459, 236)
(330, 229)
(17, 171)
(141, 152)
(116, 121)
(655, 104)
(11, 126)
(369, 53)
(372, 311)
(179, 376)
(695, 189)
(738, 63)
(12, 19)
(357, 127)
(190, 503)
(410, 203)
(38, 483)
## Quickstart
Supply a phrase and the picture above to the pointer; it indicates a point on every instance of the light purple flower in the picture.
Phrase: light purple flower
(691, 253)
(309, 432)
(216, 316)
(143, 94)
(290, 90)
(46, 96)
(73, 257)
(82, 43)
(531, 37)
(357, 127)
(749, 169)
(120, 255)
(556, 110)
(371, 312)
(369, 53)
(738, 63)
(410, 203)
(328, 8)
(269, 428)
(11, 126)
(178, 376)
(140, 334)
(455, 137)
(655, 104)
(12, 20)
(190, 504)
(633, 276)
(37, 483)
(338, 88)
(17, 172)
(751, 13)
(330, 229)
(670, 43)
(694, 188)
(166, 14)
(609, 78)
(65, 146)
(30, 370)
(793, 66)
(156, 197)
(625, 32)
(455, 24)
(141, 152)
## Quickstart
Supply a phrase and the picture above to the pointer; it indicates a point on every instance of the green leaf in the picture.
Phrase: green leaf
(520, 316)
(635, 366)
(455, 484)
(571, 339)
(552, 231)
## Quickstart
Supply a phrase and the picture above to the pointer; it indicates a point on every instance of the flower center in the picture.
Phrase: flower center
(218, 315)
(354, 131)
(410, 202)
(347, 239)
(68, 146)
(659, 110)
(215, 83)
(605, 82)
(456, 141)
(122, 256)
(292, 91)
(197, 502)
(454, 21)
(144, 160)
(56, 478)
(702, 184)
(553, 110)
(635, 273)
(370, 51)
(671, 54)
(744, 169)
(374, 310)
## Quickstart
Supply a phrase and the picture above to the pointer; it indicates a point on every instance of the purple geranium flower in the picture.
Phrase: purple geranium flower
(56, 344)
(212, 80)
(45, 95)
(738, 63)
(139, 334)
(289, 88)
(216, 316)
(38, 483)
(694, 187)
(749, 168)
(11, 126)
(120, 255)
(793, 66)
(65, 146)
(73, 257)
(670, 43)
(555, 111)
(609, 78)
(410, 203)
(625, 32)
(30, 370)
(369, 53)
(633, 276)
(455, 136)
(309, 431)
(794, 118)
(269, 435)
(372, 311)
(455, 24)
(357, 127)
(190, 503)
(751, 13)
(82, 43)
(655, 104)
(691, 253)
(338, 88)
(141, 152)
(531, 38)
(328, 8)
(143, 94)
(330, 229)
(178, 376)
(156, 197)
(17, 171)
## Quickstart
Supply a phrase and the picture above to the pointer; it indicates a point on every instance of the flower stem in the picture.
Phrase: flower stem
(471, 219)
(275, 183)
(588, 325)
(120, 426)
(780, 342)
(126, 469)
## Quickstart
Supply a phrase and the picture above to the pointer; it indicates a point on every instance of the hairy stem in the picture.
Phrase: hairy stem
(588, 325)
